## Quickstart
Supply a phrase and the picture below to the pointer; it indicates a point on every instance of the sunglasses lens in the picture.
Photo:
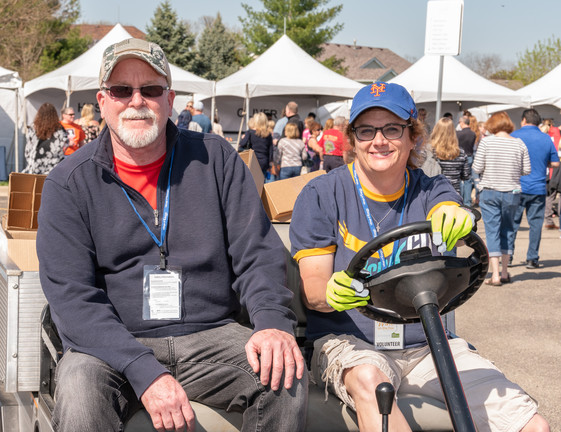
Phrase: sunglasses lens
(123, 92)
(120, 91)
(151, 91)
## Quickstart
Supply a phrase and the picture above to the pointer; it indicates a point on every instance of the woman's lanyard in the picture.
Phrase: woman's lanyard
(165, 217)
(369, 216)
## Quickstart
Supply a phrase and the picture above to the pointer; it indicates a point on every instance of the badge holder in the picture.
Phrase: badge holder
(161, 292)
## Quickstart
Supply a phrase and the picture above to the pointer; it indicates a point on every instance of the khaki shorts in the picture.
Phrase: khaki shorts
(496, 404)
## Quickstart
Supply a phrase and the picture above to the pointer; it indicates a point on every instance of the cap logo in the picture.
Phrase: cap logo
(376, 89)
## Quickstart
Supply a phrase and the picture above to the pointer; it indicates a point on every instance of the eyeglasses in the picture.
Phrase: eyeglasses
(124, 92)
(390, 131)
(71, 114)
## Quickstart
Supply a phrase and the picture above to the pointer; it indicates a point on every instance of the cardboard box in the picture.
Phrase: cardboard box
(251, 161)
(19, 246)
(24, 199)
(19, 224)
(279, 197)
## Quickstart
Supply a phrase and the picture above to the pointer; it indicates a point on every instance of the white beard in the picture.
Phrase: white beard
(137, 138)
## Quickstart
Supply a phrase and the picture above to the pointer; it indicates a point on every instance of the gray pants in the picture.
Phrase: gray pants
(211, 366)
(549, 201)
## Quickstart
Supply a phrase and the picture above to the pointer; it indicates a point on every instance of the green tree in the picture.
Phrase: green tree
(27, 27)
(175, 37)
(64, 50)
(536, 62)
(217, 50)
(307, 24)
(335, 64)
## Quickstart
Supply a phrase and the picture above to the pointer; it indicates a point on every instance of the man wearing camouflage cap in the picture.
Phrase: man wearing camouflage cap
(158, 233)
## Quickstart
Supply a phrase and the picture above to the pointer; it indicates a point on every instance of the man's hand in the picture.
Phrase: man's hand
(449, 224)
(344, 293)
(271, 351)
(168, 406)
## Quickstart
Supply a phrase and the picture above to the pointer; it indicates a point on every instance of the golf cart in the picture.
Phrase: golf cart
(420, 288)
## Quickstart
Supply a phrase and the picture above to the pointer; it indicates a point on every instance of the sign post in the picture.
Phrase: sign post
(443, 35)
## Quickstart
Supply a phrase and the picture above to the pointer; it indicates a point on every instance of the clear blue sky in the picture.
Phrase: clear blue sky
(502, 27)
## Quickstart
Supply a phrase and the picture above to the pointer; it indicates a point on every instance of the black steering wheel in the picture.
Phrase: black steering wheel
(397, 293)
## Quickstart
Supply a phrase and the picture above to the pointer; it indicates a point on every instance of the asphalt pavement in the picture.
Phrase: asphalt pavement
(517, 325)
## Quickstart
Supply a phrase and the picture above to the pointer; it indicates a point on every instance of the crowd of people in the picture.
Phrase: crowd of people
(290, 147)
(147, 309)
(511, 170)
(50, 138)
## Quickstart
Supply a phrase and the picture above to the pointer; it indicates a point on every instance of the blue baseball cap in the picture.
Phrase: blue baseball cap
(392, 97)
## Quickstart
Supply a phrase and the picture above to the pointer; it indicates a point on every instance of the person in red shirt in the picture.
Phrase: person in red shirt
(76, 134)
(335, 144)
(555, 135)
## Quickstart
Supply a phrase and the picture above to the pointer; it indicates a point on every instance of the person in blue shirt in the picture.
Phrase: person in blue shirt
(201, 119)
(532, 199)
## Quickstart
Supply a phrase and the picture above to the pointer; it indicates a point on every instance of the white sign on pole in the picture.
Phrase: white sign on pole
(444, 27)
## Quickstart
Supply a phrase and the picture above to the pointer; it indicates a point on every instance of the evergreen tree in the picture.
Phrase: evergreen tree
(175, 37)
(306, 24)
(64, 50)
(217, 51)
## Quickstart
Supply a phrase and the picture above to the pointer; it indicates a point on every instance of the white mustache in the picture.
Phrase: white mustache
(137, 114)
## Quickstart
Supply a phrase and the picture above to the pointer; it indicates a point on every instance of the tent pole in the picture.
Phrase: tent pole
(439, 92)
(16, 140)
(213, 104)
(68, 92)
(247, 105)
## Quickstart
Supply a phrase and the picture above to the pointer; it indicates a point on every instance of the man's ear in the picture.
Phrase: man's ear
(100, 96)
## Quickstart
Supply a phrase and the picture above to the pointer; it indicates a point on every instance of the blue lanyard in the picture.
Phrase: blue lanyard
(369, 215)
(165, 216)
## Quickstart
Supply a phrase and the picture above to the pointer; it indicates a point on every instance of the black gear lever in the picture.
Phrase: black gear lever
(384, 395)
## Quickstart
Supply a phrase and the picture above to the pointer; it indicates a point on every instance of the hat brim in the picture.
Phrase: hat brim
(394, 108)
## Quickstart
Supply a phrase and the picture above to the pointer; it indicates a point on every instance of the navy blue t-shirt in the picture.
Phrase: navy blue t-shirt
(328, 218)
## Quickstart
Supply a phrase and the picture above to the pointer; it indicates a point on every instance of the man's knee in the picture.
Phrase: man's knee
(88, 393)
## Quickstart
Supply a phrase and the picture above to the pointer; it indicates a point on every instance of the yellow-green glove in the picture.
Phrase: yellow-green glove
(344, 293)
(449, 224)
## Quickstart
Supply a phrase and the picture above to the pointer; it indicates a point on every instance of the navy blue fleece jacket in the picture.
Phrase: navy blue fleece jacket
(92, 248)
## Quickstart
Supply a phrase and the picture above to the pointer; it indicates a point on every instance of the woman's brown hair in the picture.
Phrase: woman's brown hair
(499, 122)
(46, 121)
(444, 141)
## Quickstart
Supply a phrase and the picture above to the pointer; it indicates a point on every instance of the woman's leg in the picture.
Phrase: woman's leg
(494, 267)
(361, 381)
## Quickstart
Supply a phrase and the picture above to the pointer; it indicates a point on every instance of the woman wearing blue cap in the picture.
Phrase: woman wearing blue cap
(338, 213)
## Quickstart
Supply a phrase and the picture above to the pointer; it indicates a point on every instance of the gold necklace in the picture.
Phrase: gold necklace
(385, 216)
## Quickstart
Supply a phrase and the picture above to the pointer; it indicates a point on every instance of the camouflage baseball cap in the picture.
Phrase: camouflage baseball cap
(149, 52)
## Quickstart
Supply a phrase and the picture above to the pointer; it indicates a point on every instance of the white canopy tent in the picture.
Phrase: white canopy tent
(544, 95)
(282, 73)
(461, 87)
(546, 90)
(76, 83)
(10, 120)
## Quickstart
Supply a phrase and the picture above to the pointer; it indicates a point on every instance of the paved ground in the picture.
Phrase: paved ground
(516, 325)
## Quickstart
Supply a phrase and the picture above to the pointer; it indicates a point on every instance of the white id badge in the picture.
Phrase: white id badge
(161, 293)
(388, 336)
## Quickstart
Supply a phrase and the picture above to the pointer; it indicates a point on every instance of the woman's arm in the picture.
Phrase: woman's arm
(315, 272)
(314, 146)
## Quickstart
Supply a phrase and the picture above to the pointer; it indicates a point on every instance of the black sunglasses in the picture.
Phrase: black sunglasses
(124, 92)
